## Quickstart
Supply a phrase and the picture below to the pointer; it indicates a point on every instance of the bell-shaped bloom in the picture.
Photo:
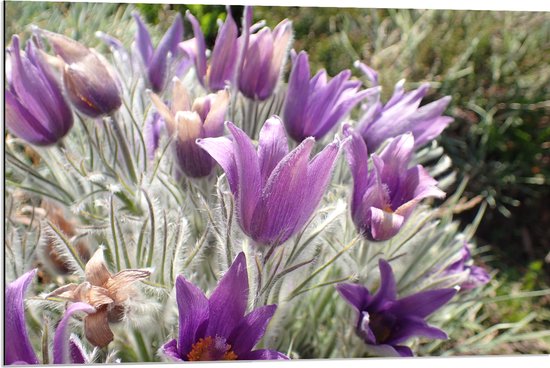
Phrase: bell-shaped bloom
(275, 191)
(402, 114)
(18, 348)
(473, 276)
(384, 197)
(90, 82)
(314, 106)
(263, 60)
(36, 109)
(385, 322)
(156, 61)
(107, 293)
(189, 122)
(217, 328)
(222, 65)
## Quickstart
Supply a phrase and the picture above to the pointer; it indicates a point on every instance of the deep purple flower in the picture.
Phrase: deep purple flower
(156, 61)
(313, 107)
(263, 60)
(384, 197)
(474, 276)
(91, 83)
(402, 114)
(18, 348)
(189, 122)
(224, 58)
(36, 109)
(217, 328)
(385, 322)
(275, 191)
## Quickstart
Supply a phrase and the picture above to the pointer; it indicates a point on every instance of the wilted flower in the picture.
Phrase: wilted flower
(203, 119)
(385, 322)
(385, 197)
(36, 110)
(313, 107)
(156, 61)
(275, 191)
(18, 348)
(224, 58)
(91, 83)
(217, 328)
(107, 293)
(263, 61)
(402, 114)
(474, 276)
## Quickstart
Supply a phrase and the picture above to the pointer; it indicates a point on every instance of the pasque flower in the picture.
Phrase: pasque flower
(263, 60)
(90, 82)
(221, 69)
(275, 191)
(36, 109)
(385, 322)
(473, 276)
(17, 346)
(217, 328)
(189, 122)
(402, 114)
(156, 61)
(314, 106)
(384, 197)
(107, 293)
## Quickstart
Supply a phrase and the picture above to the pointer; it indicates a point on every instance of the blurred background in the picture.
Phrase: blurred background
(496, 67)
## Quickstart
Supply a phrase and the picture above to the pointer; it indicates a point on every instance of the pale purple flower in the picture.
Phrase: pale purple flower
(474, 276)
(18, 348)
(156, 61)
(224, 59)
(384, 322)
(314, 106)
(275, 191)
(36, 109)
(186, 122)
(217, 328)
(91, 83)
(151, 134)
(384, 197)
(402, 114)
(263, 60)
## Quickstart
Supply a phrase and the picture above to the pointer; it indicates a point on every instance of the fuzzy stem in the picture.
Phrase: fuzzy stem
(125, 149)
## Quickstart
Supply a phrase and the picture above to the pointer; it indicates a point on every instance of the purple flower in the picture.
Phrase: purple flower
(36, 110)
(474, 276)
(275, 191)
(224, 58)
(203, 119)
(384, 197)
(90, 82)
(217, 328)
(18, 348)
(313, 107)
(151, 133)
(402, 114)
(156, 61)
(263, 60)
(385, 322)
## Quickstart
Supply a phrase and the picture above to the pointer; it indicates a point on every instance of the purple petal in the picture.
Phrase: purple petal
(257, 59)
(61, 345)
(422, 304)
(170, 349)
(200, 62)
(17, 348)
(282, 35)
(272, 146)
(396, 157)
(371, 74)
(193, 311)
(427, 123)
(263, 354)
(385, 350)
(295, 102)
(384, 225)
(404, 351)
(417, 185)
(477, 277)
(414, 326)
(251, 329)
(229, 300)
(143, 40)
(224, 56)
(387, 290)
(221, 149)
(157, 68)
(356, 295)
(357, 157)
(78, 356)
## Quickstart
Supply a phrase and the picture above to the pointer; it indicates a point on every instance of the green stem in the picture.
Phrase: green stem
(125, 150)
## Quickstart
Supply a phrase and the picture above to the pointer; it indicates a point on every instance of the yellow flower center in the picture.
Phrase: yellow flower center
(211, 348)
